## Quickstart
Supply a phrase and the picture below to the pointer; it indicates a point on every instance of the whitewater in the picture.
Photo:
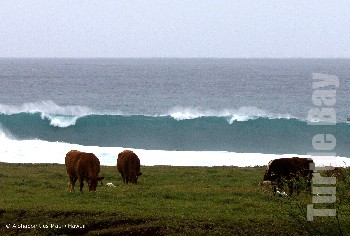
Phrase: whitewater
(38, 151)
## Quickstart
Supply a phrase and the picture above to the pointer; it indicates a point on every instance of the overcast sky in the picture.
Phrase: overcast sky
(164, 28)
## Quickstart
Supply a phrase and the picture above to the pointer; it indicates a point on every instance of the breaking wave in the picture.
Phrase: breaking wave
(247, 129)
(65, 116)
(59, 116)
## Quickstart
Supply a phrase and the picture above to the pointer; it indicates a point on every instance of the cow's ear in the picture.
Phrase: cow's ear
(100, 178)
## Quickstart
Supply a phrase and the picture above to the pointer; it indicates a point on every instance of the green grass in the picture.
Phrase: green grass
(166, 201)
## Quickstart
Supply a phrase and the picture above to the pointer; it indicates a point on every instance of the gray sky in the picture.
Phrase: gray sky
(164, 28)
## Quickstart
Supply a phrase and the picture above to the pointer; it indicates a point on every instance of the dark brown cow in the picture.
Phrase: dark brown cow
(128, 165)
(289, 170)
(82, 166)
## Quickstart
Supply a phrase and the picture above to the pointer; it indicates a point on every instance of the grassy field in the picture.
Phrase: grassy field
(166, 201)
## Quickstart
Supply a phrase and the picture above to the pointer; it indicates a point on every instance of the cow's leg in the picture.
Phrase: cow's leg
(291, 186)
(126, 179)
(123, 177)
(280, 184)
(308, 184)
(73, 184)
(69, 185)
(309, 187)
(81, 182)
(275, 187)
(72, 181)
(297, 185)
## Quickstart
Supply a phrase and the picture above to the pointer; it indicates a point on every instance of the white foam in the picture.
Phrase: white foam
(60, 121)
(38, 151)
(241, 114)
(185, 113)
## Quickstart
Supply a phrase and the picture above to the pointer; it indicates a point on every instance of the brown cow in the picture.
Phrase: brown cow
(82, 166)
(128, 165)
(289, 169)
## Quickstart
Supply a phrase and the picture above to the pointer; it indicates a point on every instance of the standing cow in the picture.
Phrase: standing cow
(128, 165)
(290, 170)
(82, 166)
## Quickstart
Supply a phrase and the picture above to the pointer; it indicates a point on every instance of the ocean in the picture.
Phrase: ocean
(200, 112)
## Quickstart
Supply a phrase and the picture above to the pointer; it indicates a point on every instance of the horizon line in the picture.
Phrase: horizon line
(217, 58)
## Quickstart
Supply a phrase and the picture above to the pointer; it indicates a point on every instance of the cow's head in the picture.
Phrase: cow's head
(93, 183)
(134, 176)
(268, 185)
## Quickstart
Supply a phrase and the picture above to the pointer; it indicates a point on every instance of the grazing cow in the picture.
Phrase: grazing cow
(290, 170)
(82, 166)
(128, 165)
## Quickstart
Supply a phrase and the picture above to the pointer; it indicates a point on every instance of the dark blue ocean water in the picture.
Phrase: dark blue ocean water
(239, 105)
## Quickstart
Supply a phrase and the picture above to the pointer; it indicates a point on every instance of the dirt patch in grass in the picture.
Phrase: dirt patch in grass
(19, 222)
(72, 223)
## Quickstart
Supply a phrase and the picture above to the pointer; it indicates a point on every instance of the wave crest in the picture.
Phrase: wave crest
(242, 114)
(64, 116)
(59, 116)
(47, 107)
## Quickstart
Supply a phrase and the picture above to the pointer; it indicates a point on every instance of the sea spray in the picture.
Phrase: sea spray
(47, 107)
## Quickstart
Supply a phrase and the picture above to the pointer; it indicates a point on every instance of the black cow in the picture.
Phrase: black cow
(289, 170)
